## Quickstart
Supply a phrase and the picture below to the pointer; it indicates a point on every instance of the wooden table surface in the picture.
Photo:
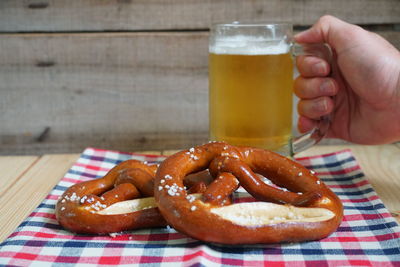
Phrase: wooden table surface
(26, 180)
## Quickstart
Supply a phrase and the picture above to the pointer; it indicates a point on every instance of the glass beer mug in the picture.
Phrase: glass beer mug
(251, 86)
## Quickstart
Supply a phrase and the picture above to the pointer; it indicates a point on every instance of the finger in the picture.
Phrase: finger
(315, 108)
(305, 124)
(308, 88)
(321, 31)
(310, 66)
(330, 30)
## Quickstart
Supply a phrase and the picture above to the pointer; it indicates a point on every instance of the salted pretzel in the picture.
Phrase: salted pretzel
(121, 200)
(100, 206)
(300, 207)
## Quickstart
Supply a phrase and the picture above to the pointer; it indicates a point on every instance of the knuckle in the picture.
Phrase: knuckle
(300, 61)
(326, 19)
(297, 85)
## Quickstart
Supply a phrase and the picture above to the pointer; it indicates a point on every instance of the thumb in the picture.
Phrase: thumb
(327, 29)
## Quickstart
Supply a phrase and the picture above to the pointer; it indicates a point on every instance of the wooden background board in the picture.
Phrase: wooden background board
(128, 75)
(117, 15)
(114, 90)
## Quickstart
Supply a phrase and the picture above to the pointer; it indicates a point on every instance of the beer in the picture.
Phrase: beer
(251, 94)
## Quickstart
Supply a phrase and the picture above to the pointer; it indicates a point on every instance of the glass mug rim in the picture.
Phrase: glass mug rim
(225, 35)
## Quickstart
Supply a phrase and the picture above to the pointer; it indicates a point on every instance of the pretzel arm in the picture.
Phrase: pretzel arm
(219, 191)
(199, 187)
(140, 178)
(120, 193)
(251, 182)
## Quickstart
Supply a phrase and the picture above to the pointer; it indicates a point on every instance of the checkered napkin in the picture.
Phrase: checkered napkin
(368, 235)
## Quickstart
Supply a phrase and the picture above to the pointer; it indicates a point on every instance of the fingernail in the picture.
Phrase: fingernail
(321, 105)
(327, 88)
(319, 68)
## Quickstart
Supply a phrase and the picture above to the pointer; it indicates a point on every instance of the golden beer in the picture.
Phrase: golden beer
(251, 99)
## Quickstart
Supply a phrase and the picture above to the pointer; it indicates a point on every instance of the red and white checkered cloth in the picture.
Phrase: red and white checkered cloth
(368, 235)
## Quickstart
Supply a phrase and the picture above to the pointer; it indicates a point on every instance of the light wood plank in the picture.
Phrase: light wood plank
(12, 168)
(103, 15)
(381, 167)
(26, 193)
(125, 91)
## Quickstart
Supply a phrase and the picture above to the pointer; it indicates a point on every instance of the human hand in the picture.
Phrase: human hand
(360, 88)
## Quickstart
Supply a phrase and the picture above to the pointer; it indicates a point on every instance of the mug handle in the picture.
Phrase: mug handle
(306, 140)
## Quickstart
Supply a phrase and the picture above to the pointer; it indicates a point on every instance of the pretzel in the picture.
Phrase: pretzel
(121, 200)
(99, 206)
(304, 209)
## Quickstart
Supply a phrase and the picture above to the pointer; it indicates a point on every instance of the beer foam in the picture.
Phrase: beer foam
(246, 45)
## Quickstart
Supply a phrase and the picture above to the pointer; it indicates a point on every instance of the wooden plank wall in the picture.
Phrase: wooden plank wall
(129, 74)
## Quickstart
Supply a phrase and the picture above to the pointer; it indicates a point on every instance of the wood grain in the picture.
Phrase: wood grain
(13, 168)
(29, 190)
(122, 15)
(127, 91)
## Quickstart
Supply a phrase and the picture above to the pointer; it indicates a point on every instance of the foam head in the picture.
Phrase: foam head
(248, 45)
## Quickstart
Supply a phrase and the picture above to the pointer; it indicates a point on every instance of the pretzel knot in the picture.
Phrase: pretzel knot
(299, 208)
(99, 206)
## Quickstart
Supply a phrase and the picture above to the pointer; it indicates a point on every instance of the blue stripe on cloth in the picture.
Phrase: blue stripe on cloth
(231, 250)
(46, 206)
(201, 265)
(104, 159)
(81, 173)
(368, 228)
(341, 178)
(355, 193)
(41, 224)
(369, 207)
(60, 188)
(385, 251)
(332, 164)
